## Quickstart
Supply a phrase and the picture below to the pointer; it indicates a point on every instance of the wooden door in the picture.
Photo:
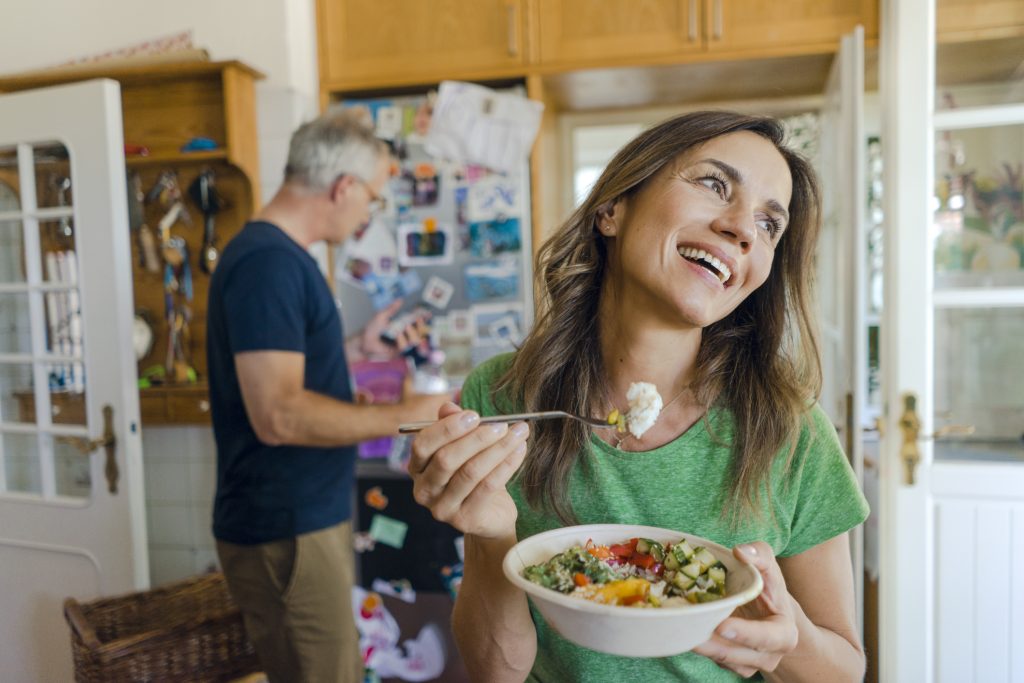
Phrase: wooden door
(573, 32)
(366, 42)
(73, 515)
(763, 26)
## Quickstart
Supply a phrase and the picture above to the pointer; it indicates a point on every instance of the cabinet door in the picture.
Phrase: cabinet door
(974, 19)
(766, 26)
(605, 31)
(371, 42)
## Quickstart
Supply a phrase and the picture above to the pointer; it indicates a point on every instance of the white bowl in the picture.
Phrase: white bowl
(628, 631)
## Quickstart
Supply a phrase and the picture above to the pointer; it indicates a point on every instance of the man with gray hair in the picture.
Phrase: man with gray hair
(284, 418)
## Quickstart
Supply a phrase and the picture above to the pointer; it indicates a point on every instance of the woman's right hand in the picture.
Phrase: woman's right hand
(460, 468)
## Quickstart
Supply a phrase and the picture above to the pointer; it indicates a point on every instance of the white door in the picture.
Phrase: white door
(72, 524)
(952, 517)
(841, 264)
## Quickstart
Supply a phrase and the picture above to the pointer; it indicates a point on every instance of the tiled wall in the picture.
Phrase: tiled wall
(180, 472)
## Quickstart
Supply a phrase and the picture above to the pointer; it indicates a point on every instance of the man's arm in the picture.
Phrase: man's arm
(282, 411)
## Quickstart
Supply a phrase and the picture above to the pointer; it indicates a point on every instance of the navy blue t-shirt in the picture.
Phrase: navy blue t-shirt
(267, 294)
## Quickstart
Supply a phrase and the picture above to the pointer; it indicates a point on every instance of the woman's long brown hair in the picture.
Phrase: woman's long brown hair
(760, 362)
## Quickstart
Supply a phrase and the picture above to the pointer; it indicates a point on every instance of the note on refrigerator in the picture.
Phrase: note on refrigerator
(476, 125)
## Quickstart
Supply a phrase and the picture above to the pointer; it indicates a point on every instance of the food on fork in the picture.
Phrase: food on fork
(644, 407)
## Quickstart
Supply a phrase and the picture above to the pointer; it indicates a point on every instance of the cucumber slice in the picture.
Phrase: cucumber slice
(671, 562)
(683, 551)
(682, 581)
(704, 556)
(692, 570)
(717, 574)
(652, 548)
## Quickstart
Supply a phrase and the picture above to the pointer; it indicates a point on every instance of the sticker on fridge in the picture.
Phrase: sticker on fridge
(497, 324)
(438, 292)
(491, 280)
(420, 244)
(489, 238)
(493, 198)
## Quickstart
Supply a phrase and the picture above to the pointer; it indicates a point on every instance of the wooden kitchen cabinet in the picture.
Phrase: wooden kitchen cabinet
(963, 20)
(586, 33)
(163, 107)
(372, 44)
(766, 27)
(364, 43)
(572, 32)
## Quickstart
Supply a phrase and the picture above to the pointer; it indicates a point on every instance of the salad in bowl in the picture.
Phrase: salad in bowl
(603, 586)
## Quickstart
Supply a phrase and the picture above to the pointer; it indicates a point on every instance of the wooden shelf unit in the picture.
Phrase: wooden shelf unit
(163, 107)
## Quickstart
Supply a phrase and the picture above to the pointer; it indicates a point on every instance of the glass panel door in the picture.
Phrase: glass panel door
(978, 247)
(42, 376)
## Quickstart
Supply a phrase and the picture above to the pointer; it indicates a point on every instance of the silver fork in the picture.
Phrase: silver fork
(517, 417)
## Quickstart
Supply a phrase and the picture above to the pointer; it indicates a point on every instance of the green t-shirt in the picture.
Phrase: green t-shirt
(684, 485)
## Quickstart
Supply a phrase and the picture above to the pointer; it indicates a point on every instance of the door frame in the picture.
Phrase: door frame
(906, 548)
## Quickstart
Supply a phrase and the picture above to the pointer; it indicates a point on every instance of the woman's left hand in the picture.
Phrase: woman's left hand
(759, 634)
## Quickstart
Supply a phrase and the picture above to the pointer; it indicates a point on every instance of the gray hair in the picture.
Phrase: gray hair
(338, 142)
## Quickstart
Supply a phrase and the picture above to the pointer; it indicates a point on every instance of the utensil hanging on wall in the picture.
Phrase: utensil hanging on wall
(144, 240)
(204, 193)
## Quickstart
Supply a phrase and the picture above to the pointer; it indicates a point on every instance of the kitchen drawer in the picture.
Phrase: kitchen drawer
(188, 408)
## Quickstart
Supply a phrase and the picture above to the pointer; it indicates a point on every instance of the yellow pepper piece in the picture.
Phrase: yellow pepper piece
(617, 591)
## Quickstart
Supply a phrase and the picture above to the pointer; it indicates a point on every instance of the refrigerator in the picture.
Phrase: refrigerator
(453, 240)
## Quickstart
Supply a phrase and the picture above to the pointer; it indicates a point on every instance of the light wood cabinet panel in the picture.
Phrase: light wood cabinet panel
(409, 41)
(621, 31)
(771, 27)
(979, 19)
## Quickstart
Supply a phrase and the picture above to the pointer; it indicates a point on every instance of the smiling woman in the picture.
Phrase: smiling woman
(687, 267)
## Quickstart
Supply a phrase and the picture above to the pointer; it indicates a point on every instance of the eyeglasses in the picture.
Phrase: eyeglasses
(377, 202)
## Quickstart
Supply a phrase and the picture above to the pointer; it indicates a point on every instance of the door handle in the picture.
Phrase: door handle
(716, 20)
(108, 441)
(513, 29)
(910, 426)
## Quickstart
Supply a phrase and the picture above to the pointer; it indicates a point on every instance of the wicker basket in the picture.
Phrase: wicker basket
(185, 631)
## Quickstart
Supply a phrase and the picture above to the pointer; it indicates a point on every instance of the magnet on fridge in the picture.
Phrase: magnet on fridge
(399, 588)
(389, 122)
(438, 292)
(426, 183)
(376, 499)
(362, 542)
(451, 577)
(388, 531)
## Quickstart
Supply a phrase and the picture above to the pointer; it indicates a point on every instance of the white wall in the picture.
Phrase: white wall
(276, 37)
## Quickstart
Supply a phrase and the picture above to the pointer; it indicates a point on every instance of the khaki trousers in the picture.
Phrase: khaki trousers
(295, 596)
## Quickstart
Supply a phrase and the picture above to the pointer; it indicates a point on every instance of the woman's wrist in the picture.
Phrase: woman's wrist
(498, 544)
(814, 643)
